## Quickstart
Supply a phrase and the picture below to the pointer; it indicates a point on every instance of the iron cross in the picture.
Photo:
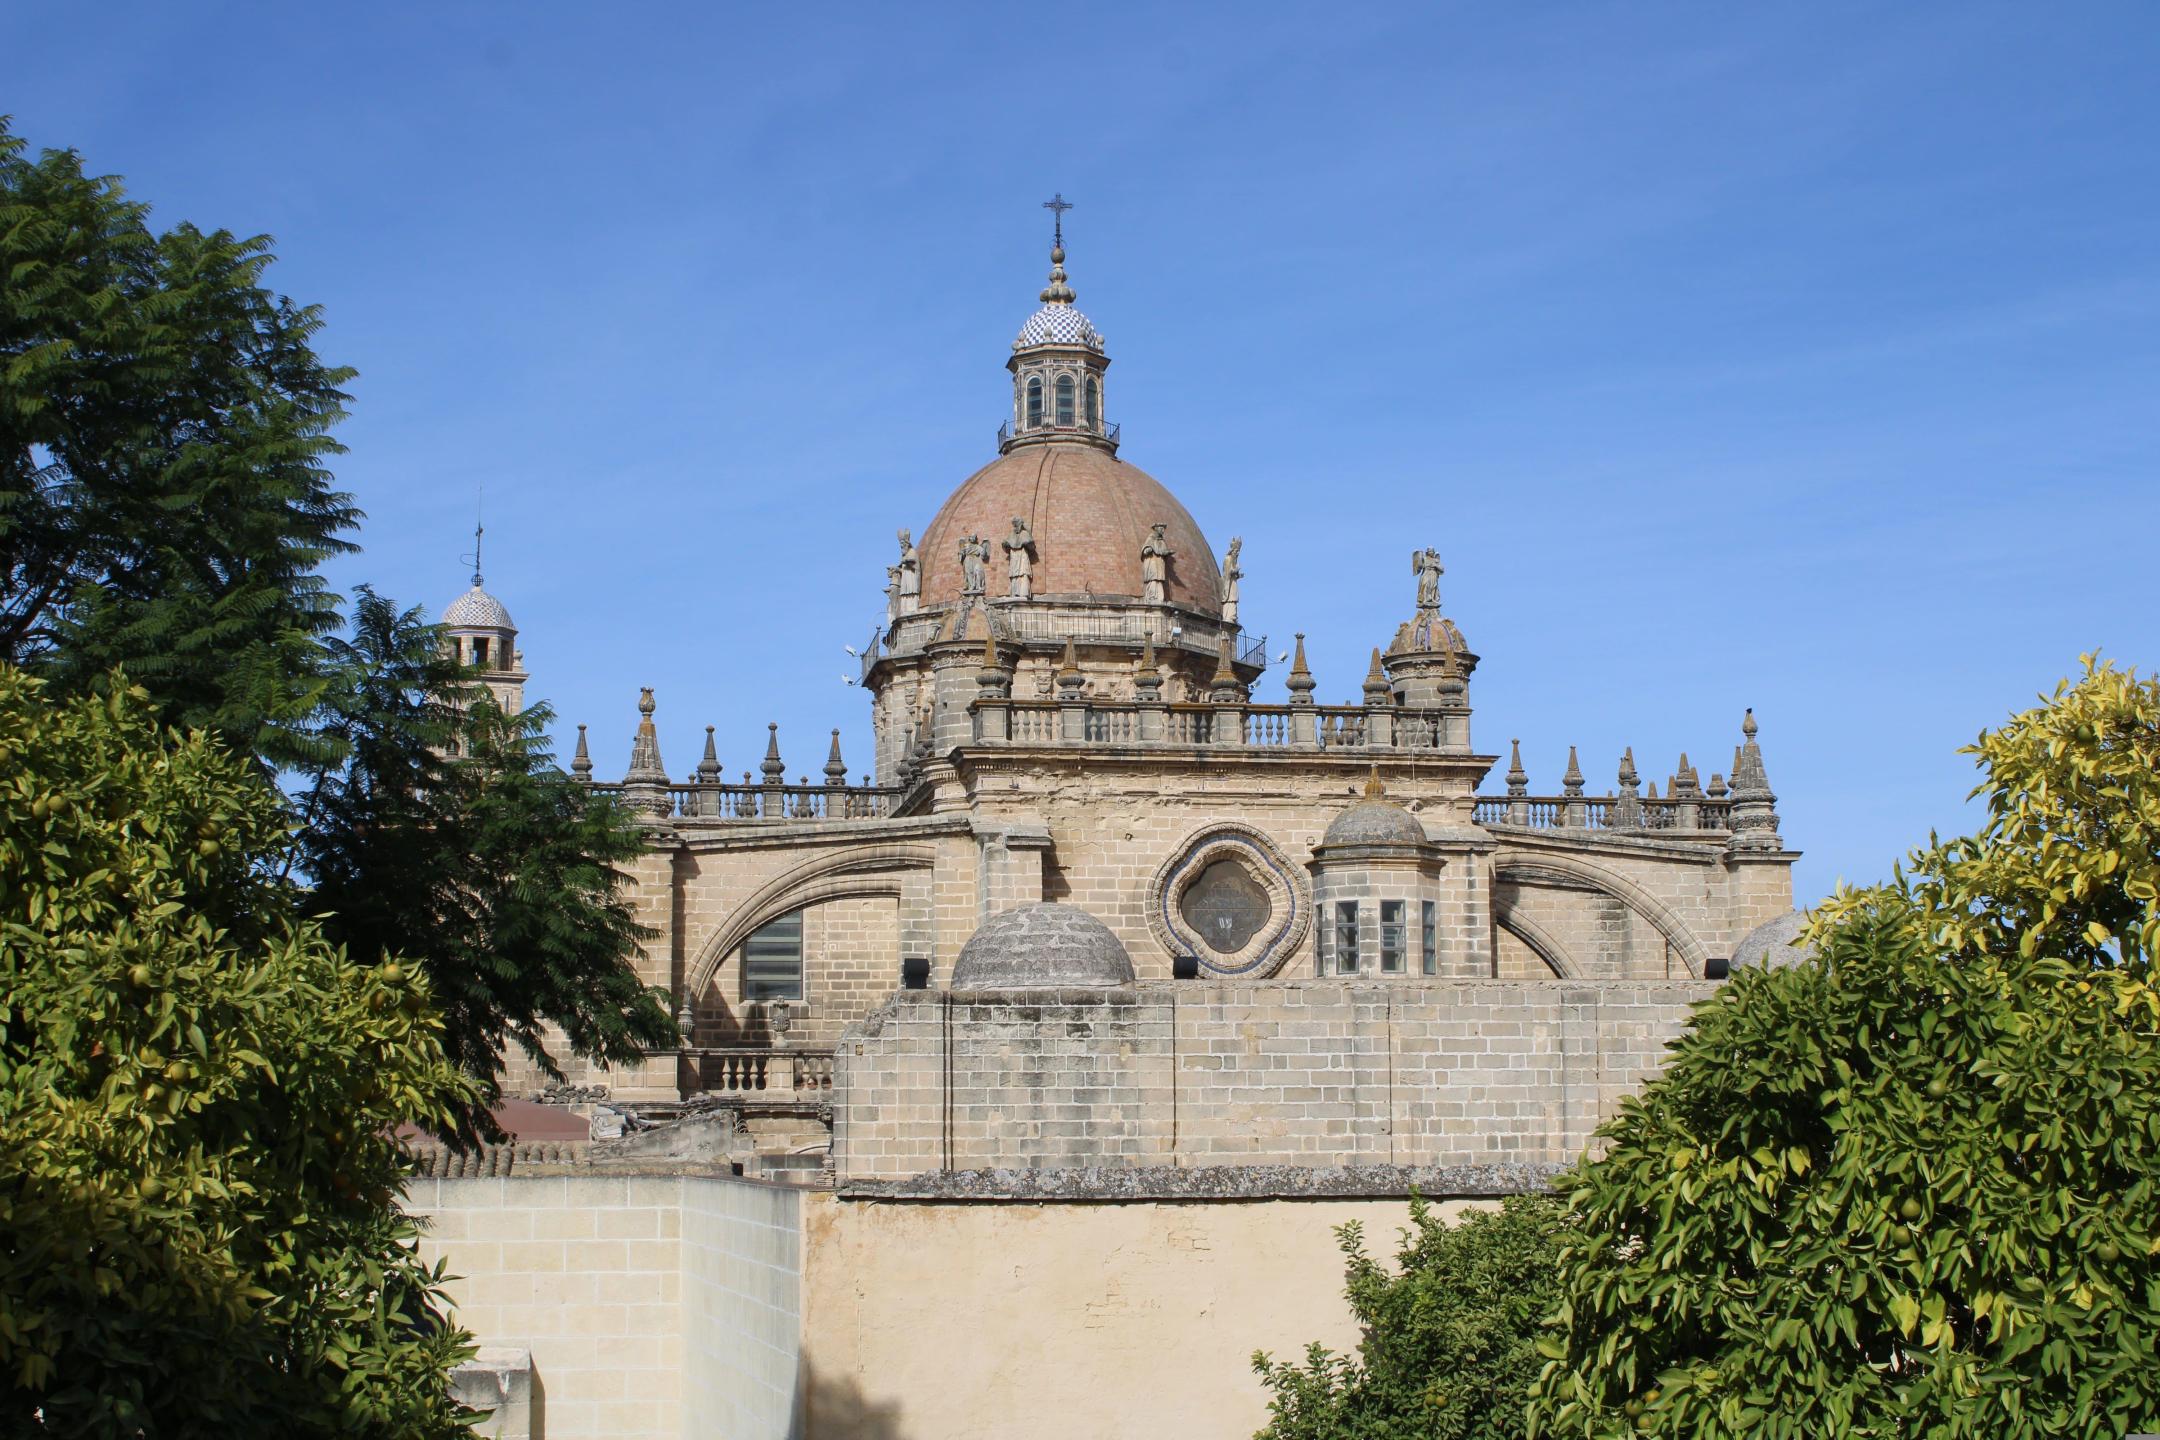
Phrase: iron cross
(1057, 205)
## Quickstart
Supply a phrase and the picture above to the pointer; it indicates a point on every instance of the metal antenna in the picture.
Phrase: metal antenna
(1057, 205)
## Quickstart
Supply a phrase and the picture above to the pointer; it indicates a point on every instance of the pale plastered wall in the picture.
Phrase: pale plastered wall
(1068, 1321)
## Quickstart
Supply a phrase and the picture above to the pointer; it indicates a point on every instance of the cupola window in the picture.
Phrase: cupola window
(480, 651)
(1094, 405)
(1065, 400)
(1034, 401)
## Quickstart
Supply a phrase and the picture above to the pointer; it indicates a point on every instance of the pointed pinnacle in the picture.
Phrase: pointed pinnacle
(711, 755)
(1374, 671)
(1627, 767)
(1147, 656)
(835, 767)
(1574, 770)
(1071, 663)
(1223, 675)
(1298, 667)
(1374, 790)
(1747, 723)
(1514, 766)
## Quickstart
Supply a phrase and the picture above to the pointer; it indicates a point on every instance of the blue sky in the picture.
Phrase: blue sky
(1798, 357)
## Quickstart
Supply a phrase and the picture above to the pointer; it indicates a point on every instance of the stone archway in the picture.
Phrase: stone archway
(852, 874)
(1530, 868)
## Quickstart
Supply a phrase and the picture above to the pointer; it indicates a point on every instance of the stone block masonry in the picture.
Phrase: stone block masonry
(1321, 1074)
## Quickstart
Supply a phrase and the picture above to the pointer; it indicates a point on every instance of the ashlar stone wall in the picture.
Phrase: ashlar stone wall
(1310, 1073)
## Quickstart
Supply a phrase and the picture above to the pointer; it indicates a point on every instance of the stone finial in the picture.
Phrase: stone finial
(1148, 679)
(1070, 682)
(1754, 808)
(1301, 683)
(1572, 782)
(774, 771)
(1650, 790)
(1374, 790)
(1627, 811)
(581, 762)
(1223, 686)
(835, 767)
(708, 769)
(1376, 682)
(645, 782)
(1717, 790)
(1686, 784)
(1518, 779)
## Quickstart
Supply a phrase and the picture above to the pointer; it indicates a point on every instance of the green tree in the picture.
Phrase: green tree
(1449, 1344)
(164, 432)
(494, 869)
(198, 1100)
(1909, 1188)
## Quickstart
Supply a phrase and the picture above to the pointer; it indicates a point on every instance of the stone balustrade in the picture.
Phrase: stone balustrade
(1236, 724)
(1579, 812)
(706, 801)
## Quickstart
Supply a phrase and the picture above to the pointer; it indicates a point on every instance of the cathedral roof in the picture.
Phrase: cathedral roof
(1058, 323)
(1089, 511)
(477, 610)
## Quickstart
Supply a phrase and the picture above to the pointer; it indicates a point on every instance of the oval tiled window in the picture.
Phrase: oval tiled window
(1225, 906)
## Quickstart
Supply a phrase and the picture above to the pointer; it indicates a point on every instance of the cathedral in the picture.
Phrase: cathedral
(1090, 1011)
(1065, 712)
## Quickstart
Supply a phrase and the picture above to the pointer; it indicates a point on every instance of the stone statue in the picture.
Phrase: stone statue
(974, 552)
(1426, 565)
(910, 568)
(892, 593)
(1155, 557)
(1020, 559)
(1231, 574)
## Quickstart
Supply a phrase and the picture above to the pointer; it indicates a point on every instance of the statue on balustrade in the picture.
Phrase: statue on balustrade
(892, 593)
(1020, 560)
(1426, 564)
(910, 575)
(974, 558)
(1155, 557)
(1231, 574)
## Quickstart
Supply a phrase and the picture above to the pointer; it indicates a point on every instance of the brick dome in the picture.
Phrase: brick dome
(1089, 511)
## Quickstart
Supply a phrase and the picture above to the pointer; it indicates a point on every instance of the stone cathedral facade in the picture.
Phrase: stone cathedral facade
(1066, 709)
(1119, 979)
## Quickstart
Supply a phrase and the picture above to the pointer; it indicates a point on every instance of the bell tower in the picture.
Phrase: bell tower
(1057, 364)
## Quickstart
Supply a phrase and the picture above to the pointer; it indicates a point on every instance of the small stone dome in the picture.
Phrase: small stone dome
(1058, 323)
(477, 610)
(1375, 820)
(1034, 946)
(1771, 945)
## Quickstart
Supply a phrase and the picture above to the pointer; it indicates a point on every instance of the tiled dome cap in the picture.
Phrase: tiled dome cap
(477, 610)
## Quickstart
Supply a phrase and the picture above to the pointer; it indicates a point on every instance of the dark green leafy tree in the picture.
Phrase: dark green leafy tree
(1450, 1335)
(198, 1101)
(164, 432)
(448, 834)
(1913, 1186)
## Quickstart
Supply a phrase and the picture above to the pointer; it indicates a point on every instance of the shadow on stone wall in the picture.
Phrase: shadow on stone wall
(833, 1407)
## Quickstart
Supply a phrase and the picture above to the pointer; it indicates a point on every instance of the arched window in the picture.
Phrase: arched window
(1094, 405)
(1065, 400)
(1034, 405)
(479, 652)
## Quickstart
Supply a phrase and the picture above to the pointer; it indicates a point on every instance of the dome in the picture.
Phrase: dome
(1058, 324)
(477, 610)
(1089, 512)
(1375, 820)
(1035, 946)
(1773, 944)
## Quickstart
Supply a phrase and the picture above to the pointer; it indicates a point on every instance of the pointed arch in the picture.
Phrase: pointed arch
(1530, 868)
(875, 872)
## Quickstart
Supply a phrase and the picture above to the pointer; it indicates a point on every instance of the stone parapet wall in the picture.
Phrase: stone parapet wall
(1314, 1073)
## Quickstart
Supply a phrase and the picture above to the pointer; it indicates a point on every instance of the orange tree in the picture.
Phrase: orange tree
(198, 1095)
(1908, 1186)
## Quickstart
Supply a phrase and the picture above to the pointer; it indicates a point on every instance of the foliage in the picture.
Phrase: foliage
(1909, 1187)
(1449, 1337)
(493, 869)
(164, 427)
(197, 1106)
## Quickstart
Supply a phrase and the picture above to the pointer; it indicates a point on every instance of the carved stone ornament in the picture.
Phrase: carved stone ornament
(1230, 898)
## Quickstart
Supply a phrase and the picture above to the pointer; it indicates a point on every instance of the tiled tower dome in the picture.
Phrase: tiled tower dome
(1090, 513)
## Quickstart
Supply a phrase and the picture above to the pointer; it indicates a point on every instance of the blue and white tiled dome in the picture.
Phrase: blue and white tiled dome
(1058, 323)
(477, 610)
